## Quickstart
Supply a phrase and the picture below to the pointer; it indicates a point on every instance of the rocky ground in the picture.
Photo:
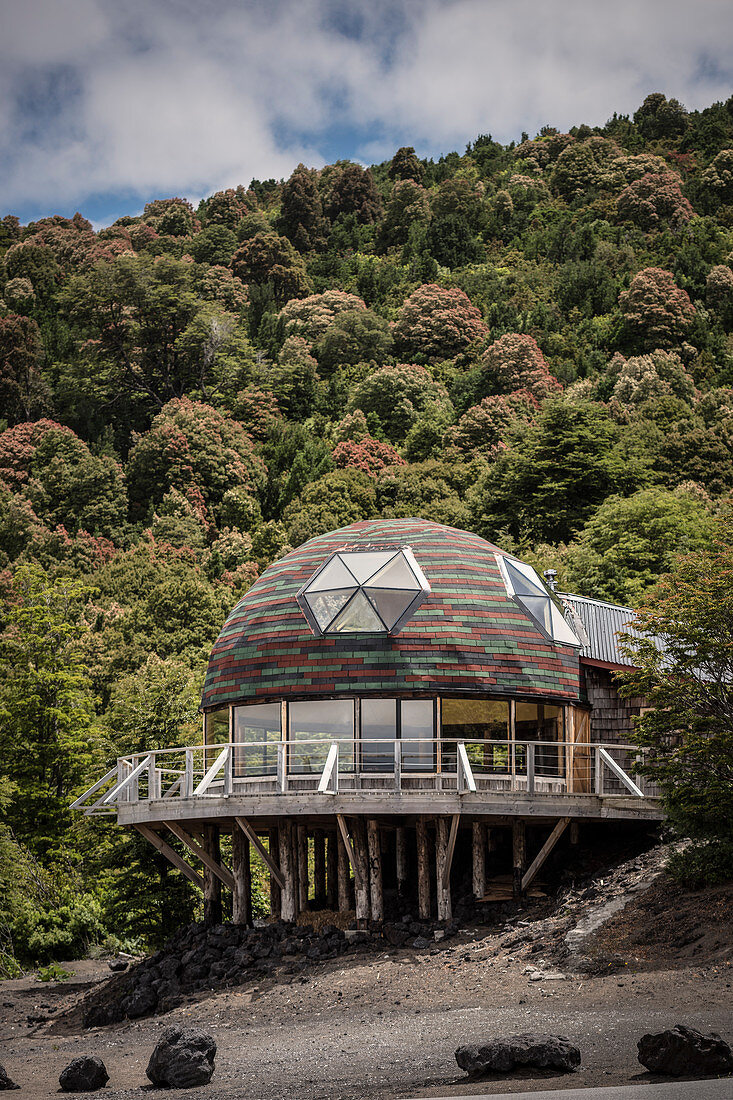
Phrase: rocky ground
(378, 1020)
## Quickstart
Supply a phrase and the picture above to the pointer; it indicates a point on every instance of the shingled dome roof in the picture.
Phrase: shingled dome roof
(462, 617)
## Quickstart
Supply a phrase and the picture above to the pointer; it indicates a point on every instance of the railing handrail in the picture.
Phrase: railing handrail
(320, 742)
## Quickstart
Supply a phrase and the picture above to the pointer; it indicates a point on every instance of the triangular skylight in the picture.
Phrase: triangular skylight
(530, 592)
(364, 592)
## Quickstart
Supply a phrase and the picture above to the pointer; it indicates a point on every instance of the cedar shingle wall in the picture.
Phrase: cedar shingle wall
(610, 718)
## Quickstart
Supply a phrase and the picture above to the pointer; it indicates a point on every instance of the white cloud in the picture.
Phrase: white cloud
(185, 97)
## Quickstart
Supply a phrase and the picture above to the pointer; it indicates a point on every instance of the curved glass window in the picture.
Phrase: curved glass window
(378, 734)
(313, 726)
(524, 585)
(478, 722)
(256, 735)
(364, 592)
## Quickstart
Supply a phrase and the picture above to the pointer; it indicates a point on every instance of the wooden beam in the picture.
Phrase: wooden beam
(222, 873)
(361, 885)
(519, 854)
(319, 869)
(376, 893)
(273, 849)
(423, 869)
(401, 858)
(344, 878)
(349, 849)
(288, 868)
(171, 855)
(453, 836)
(544, 852)
(332, 871)
(242, 892)
(212, 881)
(264, 855)
(301, 840)
(443, 858)
(479, 859)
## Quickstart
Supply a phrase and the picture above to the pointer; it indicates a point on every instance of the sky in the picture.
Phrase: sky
(106, 104)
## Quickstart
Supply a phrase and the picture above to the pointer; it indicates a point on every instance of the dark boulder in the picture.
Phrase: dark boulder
(183, 1059)
(84, 1074)
(118, 965)
(6, 1082)
(504, 1055)
(682, 1050)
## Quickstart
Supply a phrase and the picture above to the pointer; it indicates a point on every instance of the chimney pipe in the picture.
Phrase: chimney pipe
(551, 578)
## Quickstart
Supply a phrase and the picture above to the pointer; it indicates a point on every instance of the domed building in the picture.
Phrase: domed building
(387, 691)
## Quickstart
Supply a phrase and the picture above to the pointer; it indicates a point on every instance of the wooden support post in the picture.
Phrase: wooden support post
(423, 869)
(492, 840)
(445, 844)
(376, 894)
(273, 844)
(303, 883)
(319, 869)
(212, 883)
(332, 894)
(288, 870)
(344, 878)
(361, 878)
(479, 859)
(242, 892)
(575, 832)
(441, 857)
(171, 855)
(401, 860)
(544, 852)
(519, 854)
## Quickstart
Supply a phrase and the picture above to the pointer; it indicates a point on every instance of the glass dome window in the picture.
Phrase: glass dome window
(364, 592)
(530, 592)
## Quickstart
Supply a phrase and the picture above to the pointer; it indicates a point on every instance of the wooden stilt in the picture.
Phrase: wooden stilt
(492, 840)
(319, 869)
(376, 894)
(479, 859)
(361, 880)
(212, 883)
(275, 891)
(303, 884)
(344, 877)
(332, 885)
(575, 832)
(519, 854)
(443, 856)
(171, 855)
(288, 899)
(242, 892)
(401, 860)
(544, 852)
(423, 869)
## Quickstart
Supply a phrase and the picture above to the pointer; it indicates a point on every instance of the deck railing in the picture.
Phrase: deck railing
(326, 766)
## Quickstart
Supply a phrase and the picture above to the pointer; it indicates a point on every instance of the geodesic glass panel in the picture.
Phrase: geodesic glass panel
(363, 592)
(530, 592)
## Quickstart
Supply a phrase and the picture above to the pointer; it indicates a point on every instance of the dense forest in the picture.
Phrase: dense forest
(529, 341)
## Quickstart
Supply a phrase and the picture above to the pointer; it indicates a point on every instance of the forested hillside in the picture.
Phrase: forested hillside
(530, 341)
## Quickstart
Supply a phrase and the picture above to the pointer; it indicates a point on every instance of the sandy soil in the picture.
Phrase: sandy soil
(379, 1026)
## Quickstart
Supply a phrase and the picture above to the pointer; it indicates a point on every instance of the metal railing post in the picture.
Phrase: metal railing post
(530, 767)
(282, 777)
(228, 767)
(187, 786)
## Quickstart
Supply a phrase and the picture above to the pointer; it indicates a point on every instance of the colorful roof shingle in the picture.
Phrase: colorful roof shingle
(467, 636)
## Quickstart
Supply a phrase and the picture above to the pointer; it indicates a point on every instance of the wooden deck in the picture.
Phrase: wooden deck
(311, 780)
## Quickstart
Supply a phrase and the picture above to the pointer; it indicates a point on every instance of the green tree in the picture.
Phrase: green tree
(301, 213)
(629, 542)
(556, 471)
(47, 705)
(270, 258)
(687, 734)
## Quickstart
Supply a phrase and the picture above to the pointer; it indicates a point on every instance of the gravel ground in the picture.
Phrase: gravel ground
(377, 1026)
